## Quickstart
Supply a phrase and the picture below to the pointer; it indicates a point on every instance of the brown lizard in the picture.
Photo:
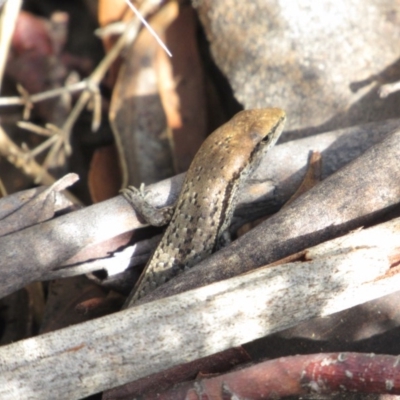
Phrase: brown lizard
(207, 200)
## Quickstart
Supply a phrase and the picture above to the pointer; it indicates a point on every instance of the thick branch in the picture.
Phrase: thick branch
(110, 351)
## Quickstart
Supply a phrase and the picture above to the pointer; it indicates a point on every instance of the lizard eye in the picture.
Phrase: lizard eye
(266, 138)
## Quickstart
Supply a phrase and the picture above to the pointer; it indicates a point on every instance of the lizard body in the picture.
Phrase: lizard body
(207, 200)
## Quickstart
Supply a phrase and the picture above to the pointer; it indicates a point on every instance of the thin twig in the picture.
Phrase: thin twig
(48, 94)
(148, 26)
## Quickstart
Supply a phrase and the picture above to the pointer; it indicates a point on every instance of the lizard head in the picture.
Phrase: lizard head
(254, 132)
(260, 126)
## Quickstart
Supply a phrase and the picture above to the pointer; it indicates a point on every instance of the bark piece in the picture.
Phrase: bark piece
(104, 178)
(136, 112)
(31, 207)
(181, 83)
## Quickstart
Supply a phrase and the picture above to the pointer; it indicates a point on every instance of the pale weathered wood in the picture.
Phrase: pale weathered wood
(30, 207)
(109, 351)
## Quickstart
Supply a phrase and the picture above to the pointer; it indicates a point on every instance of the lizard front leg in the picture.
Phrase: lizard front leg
(152, 215)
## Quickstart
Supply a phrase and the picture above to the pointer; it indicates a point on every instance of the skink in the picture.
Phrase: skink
(207, 200)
